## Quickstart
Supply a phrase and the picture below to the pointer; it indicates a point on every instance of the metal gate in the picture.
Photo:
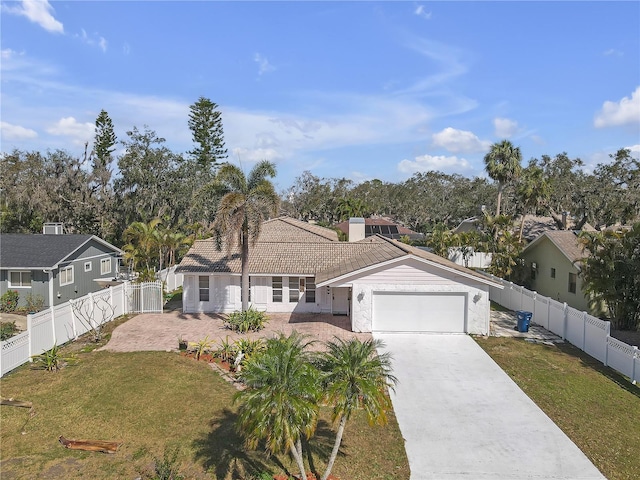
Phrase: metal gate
(144, 297)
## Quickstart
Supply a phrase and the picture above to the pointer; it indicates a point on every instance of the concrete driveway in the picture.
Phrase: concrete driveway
(462, 417)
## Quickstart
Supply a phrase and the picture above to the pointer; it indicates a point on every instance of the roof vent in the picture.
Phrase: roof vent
(53, 228)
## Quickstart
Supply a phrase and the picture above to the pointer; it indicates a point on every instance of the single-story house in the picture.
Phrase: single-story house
(382, 284)
(55, 267)
(554, 262)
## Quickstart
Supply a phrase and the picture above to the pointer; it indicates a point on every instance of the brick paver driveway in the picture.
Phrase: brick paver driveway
(161, 331)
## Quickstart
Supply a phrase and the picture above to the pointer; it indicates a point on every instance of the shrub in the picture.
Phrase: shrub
(249, 320)
(34, 303)
(167, 467)
(201, 346)
(8, 330)
(9, 301)
(52, 360)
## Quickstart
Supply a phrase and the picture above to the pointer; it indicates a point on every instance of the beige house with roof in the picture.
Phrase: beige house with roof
(382, 284)
(554, 259)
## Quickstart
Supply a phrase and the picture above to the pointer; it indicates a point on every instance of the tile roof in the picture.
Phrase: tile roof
(322, 258)
(287, 229)
(18, 250)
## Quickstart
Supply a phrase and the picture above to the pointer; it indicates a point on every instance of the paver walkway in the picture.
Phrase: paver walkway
(161, 331)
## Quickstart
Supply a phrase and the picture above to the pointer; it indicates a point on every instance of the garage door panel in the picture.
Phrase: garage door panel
(419, 312)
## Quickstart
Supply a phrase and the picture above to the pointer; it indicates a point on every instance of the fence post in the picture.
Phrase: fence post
(565, 312)
(113, 311)
(73, 320)
(606, 350)
(29, 322)
(53, 325)
(125, 306)
(633, 366)
(584, 330)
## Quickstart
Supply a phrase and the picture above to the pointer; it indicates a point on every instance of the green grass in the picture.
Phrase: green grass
(596, 407)
(156, 400)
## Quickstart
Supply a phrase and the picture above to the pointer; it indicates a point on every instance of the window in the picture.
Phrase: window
(310, 294)
(66, 275)
(19, 279)
(294, 289)
(105, 266)
(276, 285)
(87, 266)
(572, 282)
(203, 288)
(533, 273)
(553, 273)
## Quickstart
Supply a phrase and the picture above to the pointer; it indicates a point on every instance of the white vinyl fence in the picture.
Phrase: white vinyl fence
(64, 323)
(588, 333)
(172, 280)
(473, 260)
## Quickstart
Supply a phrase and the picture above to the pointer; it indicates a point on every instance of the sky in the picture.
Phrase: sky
(360, 90)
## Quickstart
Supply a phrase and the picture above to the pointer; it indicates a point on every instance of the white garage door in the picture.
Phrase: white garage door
(419, 312)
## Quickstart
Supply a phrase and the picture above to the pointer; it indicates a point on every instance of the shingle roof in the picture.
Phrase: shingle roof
(29, 251)
(322, 258)
(566, 241)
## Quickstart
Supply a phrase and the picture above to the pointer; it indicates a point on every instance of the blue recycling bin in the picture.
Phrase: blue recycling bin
(524, 320)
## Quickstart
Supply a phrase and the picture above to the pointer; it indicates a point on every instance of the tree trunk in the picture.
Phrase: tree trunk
(521, 227)
(245, 267)
(296, 450)
(336, 447)
(500, 187)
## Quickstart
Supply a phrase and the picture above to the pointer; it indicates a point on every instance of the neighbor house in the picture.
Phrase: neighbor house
(553, 261)
(56, 267)
(382, 284)
(380, 226)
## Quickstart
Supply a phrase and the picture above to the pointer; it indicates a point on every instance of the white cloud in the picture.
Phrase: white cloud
(39, 12)
(16, 132)
(421, 12)
(126, 49)
(95, 40)
(626, 111)
(505, 127)
(70, 127)
(634, 148)
(612, 52)
(263, 64)
(425, 163)
(457, 141)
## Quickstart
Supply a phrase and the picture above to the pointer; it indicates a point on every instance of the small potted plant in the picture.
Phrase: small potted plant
(182, 344)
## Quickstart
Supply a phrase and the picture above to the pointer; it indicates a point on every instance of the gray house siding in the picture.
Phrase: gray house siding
(86, 263)
(39, 286)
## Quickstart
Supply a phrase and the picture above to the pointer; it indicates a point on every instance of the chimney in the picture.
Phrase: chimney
(564, 220)
(356, 229)
(53, 228)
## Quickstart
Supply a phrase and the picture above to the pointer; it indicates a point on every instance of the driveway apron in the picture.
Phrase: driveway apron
(462, 417)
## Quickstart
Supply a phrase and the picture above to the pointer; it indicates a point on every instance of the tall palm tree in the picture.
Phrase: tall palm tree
(280, 404)
(247, 202)
(502, 164)
(356, 377)
(532, 191)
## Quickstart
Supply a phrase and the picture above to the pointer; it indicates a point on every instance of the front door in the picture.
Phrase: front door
(340, 301)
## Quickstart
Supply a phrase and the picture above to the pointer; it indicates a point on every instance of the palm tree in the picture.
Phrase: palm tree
(247, 202)
(502, 164)
(280, 404)
(532, 191)
(356, 377)
(142, 242)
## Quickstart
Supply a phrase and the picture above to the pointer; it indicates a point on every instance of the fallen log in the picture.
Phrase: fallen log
(15, 403)
(90, 445)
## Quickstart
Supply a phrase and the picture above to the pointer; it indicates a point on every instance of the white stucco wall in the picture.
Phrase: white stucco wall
(477, 321)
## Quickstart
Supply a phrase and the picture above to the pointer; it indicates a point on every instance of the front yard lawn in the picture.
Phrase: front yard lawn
(597, 408)
(155, 402)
